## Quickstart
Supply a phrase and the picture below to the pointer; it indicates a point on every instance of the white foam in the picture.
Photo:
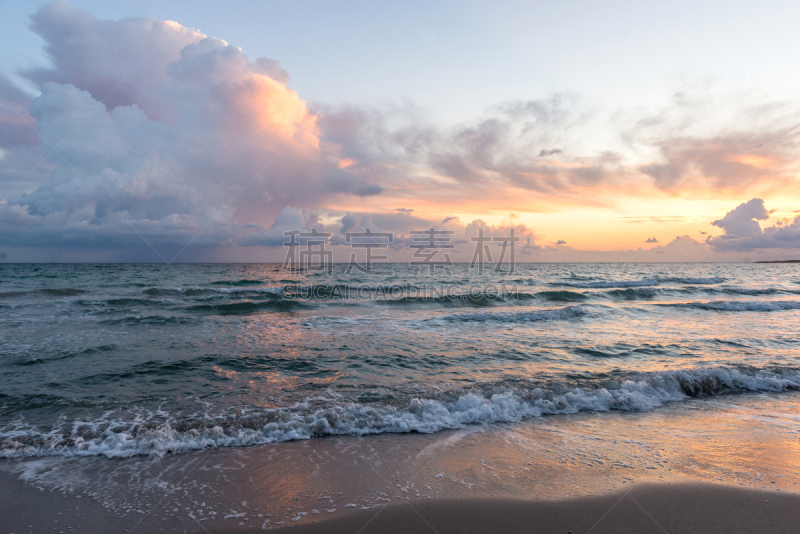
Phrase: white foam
(502, 404)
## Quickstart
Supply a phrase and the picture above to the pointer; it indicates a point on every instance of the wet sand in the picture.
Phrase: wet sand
(704, 509)
(670, 508)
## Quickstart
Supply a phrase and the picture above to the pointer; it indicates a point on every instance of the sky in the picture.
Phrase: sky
(202, 131)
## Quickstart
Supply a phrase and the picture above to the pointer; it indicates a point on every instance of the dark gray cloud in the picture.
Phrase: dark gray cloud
(551, 152)
(288, 220)
(743, 232)
(651, 240)
(743, 221)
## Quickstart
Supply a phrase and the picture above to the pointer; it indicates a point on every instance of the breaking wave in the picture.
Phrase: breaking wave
(142, 432)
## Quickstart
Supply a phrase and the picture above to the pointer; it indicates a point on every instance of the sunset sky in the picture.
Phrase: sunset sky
(201, 131)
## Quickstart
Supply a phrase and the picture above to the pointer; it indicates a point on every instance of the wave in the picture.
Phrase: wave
(453, 300)
(26, 360)
(561, 314)
(321, 291)
(119, 302)
(746, 291)
(148, 320)
(250, 291)
(633, 293)
(205, 292)
(469, 298)
(741, 305)
(248, 307)
(692, 281)
(189, 292)
(243, 282)
(53, 292)
(609, 283)
(562, 296)
(157, 433)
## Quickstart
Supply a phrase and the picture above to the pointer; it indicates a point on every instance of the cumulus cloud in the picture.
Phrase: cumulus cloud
(288, 220)
(161, 133)
(107, 58)
(16, 126)
(742, 230)
(743, 220)
(651, 240)
(682, 248)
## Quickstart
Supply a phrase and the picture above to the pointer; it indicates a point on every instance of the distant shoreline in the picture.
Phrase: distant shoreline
(778, 261)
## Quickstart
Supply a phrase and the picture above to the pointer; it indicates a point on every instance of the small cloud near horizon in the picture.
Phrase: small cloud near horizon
(550, 152)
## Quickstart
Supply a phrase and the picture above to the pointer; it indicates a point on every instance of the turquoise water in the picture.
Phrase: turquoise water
(123, 360)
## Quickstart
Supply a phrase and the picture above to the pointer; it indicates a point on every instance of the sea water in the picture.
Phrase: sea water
(153, 360)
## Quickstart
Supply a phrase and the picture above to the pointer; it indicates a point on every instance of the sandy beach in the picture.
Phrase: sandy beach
(669, 508)
(673, 471)
(647, 508)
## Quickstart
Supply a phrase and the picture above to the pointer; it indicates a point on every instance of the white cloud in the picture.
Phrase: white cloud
(193, 137)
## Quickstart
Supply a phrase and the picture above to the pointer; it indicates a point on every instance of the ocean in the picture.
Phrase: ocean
(130, 360)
